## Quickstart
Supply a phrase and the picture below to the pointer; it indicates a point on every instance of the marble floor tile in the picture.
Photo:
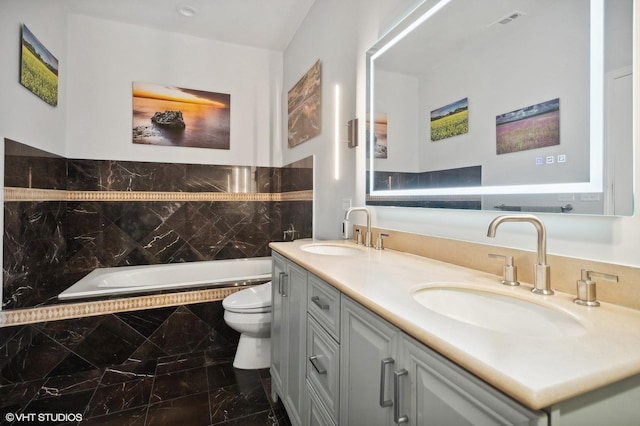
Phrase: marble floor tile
(133, 417)
(119, 397)
(237, 401)
(133, 395)
(189, 410)
(179, 384)
(95, 376)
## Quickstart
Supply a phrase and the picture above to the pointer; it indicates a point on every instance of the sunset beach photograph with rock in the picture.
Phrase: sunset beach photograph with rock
(175, 116)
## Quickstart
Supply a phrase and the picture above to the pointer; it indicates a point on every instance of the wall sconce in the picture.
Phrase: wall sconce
(352, 133)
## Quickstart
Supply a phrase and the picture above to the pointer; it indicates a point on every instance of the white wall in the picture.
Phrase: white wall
(24, 116)
(328, 34)
(397, 96)
(105, 57)
(601, 238)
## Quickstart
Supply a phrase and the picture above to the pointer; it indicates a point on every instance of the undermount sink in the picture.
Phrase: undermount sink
(331, 249)
(498, 312)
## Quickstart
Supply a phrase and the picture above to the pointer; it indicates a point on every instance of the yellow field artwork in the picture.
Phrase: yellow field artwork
(451, 125)
(38, 78)
(450, 120)
(38, 68)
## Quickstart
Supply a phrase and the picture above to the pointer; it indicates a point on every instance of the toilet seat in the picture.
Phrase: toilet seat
(256, 299)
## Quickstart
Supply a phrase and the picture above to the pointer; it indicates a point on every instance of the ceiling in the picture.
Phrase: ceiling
(268, 24)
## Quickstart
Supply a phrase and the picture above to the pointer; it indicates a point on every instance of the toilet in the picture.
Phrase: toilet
(249, 313)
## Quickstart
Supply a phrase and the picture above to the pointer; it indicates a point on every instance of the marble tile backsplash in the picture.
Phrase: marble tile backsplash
(48, 245)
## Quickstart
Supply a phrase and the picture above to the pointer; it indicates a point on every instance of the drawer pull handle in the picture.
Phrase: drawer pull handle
(320, 304)
(396, 395)
(316, 365)
(383, 381)
(281, 277)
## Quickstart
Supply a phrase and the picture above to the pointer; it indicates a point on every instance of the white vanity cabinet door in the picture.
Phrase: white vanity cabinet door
(366, 342)
(288, 335)
(437, 392)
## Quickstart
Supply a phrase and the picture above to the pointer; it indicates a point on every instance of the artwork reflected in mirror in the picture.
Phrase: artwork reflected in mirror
(380, 135)
(523, 151)
(451, 120)
(532, 127)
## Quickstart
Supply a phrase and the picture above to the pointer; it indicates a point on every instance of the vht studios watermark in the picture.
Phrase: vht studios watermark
(43, 417)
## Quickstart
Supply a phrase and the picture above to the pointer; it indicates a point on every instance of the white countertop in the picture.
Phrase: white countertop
(536, 371)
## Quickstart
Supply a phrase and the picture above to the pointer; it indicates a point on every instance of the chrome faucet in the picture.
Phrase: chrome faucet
(291, 232)
(541, 271)
(367, 235)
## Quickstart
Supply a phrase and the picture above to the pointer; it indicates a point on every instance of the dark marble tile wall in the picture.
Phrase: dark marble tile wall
(34, 252)
(132, 233)
(109, 175)
(297, 176)
(28, 167)
(49, 245)
(463, 176)
(34, 241)
(154, 367)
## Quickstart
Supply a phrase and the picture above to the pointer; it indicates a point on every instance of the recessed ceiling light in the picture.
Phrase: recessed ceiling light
(186, 10)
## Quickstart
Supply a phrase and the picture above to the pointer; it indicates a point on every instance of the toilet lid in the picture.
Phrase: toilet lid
(249, 299)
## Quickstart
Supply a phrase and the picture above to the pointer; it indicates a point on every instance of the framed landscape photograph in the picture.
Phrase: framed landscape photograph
(304, 107)
(450, 120)
(174, 116)
(38, 68)
(532, 127)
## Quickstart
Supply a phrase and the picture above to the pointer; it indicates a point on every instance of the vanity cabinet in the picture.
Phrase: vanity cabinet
(288, 335)
(336, 362)
(388, 377)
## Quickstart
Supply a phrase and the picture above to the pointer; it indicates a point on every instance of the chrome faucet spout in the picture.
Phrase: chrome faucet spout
(367, 236)
(542, 271)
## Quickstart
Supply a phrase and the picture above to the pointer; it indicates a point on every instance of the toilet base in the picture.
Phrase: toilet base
(253, 353)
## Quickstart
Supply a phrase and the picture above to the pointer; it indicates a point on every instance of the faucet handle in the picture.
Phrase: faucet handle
(358, 236)
(379, 243)
(509, 272)
(586, 287)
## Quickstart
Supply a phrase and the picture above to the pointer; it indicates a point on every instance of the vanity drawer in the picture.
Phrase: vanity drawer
(323, 366)
(316, 413)
(323, 303)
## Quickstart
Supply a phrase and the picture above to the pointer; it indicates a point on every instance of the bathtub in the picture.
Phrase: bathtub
(148, 278)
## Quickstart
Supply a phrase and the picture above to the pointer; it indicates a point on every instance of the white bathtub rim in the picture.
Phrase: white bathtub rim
(87, 287)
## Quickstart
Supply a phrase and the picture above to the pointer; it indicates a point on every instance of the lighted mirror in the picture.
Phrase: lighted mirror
(512, 105)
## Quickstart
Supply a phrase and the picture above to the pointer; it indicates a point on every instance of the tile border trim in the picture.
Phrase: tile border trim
(34, 194)
(103, 307)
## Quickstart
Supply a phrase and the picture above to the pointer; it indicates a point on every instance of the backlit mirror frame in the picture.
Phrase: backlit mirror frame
(429, 9)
